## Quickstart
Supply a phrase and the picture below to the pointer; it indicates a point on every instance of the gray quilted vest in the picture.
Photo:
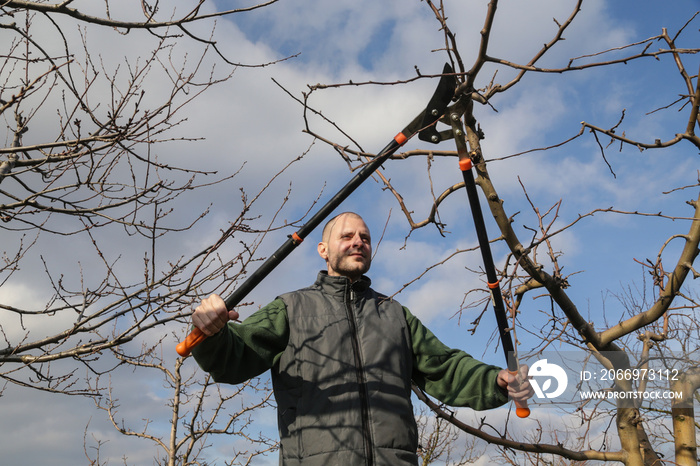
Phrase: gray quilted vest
(343, 384)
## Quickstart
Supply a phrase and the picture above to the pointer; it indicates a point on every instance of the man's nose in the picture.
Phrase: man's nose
(357, 241)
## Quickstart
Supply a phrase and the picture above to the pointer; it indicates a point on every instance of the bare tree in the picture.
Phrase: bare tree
(439, 441)
(199, 410)
(536, 268)
(84, 164)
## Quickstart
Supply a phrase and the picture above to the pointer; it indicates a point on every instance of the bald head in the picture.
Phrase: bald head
(331, 223)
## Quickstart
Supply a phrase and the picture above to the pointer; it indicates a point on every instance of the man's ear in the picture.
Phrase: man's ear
(322, 250)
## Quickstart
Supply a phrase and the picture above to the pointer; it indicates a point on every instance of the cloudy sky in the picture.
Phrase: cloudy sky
(251, 121)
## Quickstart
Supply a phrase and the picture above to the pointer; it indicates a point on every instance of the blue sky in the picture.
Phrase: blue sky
(250, 119)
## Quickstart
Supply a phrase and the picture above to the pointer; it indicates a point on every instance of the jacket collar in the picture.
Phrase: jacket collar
(337, 286)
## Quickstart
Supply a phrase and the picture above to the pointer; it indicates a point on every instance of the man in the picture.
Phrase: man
(342, 358)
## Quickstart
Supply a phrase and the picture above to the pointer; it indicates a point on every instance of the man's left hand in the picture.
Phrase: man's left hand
(516, 384)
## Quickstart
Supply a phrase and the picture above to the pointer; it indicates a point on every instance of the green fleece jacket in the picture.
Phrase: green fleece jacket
(243, 351)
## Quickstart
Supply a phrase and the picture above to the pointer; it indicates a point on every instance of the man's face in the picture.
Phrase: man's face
(347, 247)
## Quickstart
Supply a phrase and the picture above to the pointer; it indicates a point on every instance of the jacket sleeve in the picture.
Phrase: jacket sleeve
(450, 375)
(242, 351)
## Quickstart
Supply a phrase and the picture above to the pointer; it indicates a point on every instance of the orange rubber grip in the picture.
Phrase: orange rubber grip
(195, 337)
(521, 409)
(400, 139)
(465, 164)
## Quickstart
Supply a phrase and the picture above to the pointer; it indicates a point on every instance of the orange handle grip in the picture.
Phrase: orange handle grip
(521, 409)
(195, 337)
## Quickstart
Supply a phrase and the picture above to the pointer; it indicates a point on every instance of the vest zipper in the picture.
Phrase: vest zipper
(361, 377)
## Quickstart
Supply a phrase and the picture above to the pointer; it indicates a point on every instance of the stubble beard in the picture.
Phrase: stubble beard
(348, 266)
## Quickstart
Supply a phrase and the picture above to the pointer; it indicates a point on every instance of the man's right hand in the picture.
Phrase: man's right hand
(211, 315)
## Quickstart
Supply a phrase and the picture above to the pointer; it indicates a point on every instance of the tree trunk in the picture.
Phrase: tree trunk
(627, 420)
(684, 417)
